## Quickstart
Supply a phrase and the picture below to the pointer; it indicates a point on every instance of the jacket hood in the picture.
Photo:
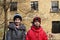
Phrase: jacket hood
(13, 27)
(36, 29)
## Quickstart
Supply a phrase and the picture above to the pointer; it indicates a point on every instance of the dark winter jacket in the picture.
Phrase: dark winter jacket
(15, 33)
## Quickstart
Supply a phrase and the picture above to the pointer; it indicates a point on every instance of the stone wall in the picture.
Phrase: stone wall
(24, 9)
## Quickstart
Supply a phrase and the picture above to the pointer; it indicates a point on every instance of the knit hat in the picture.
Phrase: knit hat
(17, 16)
(37, 19)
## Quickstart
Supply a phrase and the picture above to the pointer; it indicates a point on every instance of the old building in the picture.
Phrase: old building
(48, 10)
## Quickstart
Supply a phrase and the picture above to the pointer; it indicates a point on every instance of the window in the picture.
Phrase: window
(55, 26)
(13, 6)
(34, 5)
(55, 6)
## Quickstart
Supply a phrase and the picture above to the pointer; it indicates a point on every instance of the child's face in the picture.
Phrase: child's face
(37, 24)
(17, 21)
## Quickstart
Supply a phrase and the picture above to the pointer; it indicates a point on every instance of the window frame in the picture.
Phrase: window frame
(55, 26)
(34, 3)
(13, 6)
(54, 6)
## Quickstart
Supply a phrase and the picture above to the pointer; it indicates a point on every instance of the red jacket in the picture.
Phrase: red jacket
(36, 34)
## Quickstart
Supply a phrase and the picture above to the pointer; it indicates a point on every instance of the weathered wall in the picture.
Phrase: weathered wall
(24, 8)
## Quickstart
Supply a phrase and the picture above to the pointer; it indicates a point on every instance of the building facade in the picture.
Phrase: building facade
(47, 10)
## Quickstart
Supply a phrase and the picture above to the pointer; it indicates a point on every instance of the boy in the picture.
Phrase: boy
(16, 30)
